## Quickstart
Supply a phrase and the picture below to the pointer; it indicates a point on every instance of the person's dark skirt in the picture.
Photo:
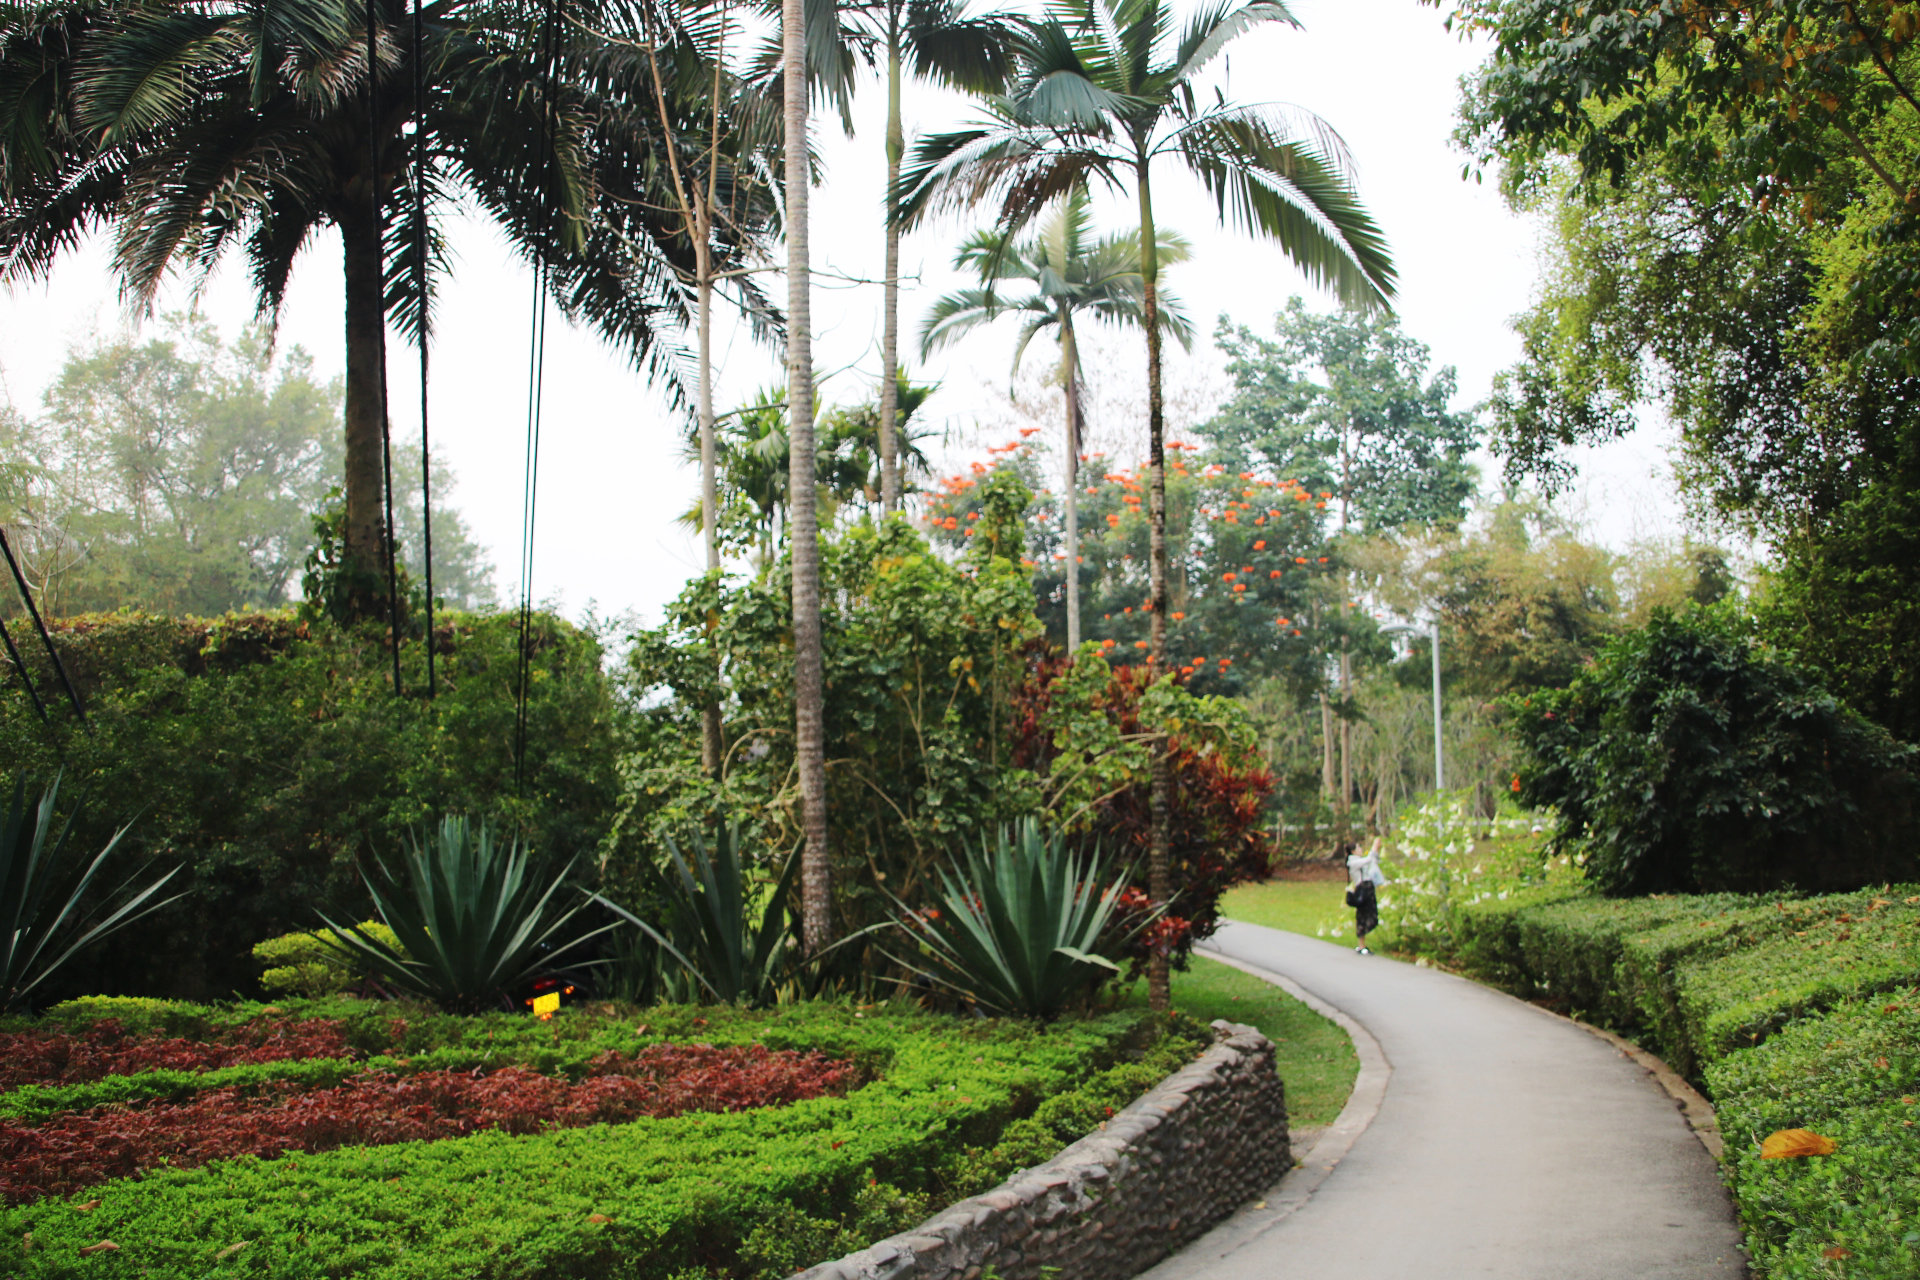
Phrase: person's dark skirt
(1366, 909)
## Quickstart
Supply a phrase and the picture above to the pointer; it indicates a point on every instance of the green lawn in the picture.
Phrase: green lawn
(1316, 1060)
(1298, 906)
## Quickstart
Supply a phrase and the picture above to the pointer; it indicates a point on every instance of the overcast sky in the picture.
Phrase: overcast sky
(1384, 73)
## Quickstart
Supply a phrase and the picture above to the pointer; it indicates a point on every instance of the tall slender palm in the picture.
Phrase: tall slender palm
(937, 40)
(809, 662)
(1071, 274)
(190, 125)
(1106, 89)
(718, 131)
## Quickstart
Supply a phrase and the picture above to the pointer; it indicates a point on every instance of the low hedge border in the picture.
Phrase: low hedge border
(1156, 1176)
(1792, 1012)
(667, 1198)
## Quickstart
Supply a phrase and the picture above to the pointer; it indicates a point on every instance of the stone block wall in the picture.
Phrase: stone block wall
(1154, 1177)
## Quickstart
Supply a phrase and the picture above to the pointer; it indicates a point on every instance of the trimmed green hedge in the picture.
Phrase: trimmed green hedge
(1794, 1013)
(1852, 1075)
(649, 1199)
(1698, 976)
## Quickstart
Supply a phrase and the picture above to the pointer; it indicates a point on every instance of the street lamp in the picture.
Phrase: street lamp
(1432, 632)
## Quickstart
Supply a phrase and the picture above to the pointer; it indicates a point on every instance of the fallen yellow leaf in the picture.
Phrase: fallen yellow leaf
(1789, 1144)
(88, 1207)
(1836, 1251)
(598, 1217)
(231, 1249)
(104, 1246)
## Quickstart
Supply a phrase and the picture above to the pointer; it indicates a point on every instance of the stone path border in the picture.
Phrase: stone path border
(1154, 1177)
(1299, 1183)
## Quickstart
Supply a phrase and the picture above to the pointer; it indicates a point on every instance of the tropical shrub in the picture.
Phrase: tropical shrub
(1685, 760)
(1025, 925)
(1083, 729)
(473, 916)
(922, 660)
(268, 753)
(47, 914)
(315, 963)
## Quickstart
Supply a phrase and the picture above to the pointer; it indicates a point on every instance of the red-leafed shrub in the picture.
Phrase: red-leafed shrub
(106, 1049)
(1220, 788)
(81, 1149)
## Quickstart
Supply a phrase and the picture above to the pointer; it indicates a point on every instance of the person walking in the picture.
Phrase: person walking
(1364, 878)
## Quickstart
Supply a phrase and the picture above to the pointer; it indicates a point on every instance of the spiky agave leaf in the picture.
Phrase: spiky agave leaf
(43, 921)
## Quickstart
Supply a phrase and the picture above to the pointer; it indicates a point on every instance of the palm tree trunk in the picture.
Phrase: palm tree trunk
(1160, 795)
(711, 742)
(1070, 373)
(890, 324)
(366, 367)
(816, 888)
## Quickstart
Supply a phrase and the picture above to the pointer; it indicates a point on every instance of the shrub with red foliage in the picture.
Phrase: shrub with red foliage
(83, 1148)
(105, 1049)
(1216, 838)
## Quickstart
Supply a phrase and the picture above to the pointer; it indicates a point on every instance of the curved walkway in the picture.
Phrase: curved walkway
(1504, 1142)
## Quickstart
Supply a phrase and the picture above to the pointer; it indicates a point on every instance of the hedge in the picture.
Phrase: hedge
(1853, 1075)
(1793, 1012)
(653, 1199)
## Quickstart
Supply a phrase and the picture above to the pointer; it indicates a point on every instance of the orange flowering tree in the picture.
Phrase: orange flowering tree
(1249, 561)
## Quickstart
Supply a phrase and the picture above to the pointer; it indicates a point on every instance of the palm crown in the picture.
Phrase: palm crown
(192, 126)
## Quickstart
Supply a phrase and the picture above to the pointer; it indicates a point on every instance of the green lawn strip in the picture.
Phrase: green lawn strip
(674, 1193)
(1297, 906)
(1851, 1074)
(1315, 1057)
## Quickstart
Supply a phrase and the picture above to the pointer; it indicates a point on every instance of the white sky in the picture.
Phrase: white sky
(1383, 72)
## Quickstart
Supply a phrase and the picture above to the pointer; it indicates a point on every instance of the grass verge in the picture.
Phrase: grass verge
(1297, 906)
(1314, 1056)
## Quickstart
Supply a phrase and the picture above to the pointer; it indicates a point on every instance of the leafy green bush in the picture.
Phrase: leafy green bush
(315, 964)
(646, 1199)
(46, 914)
(1685, 760)
(267, 754)
(1853, 1075)
(1444, 857)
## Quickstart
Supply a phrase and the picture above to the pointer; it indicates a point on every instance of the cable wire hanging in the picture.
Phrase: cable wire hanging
(420, 246)
(536, 378)
(386, 429)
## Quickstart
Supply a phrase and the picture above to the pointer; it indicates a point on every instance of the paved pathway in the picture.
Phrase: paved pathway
(1486, 1138)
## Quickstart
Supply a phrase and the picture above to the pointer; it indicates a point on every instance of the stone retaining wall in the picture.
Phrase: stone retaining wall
(1181, 1157)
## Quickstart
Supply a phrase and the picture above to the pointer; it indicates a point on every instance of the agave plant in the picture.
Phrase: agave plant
(717, 943)
(473, 916)
(1020, 923)
(43, 917)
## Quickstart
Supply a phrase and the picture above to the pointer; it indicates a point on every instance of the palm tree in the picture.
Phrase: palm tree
(938, 41)
(1072, 274)
(190, 125)
(1106, 88)
(717, 128)
(809, 701)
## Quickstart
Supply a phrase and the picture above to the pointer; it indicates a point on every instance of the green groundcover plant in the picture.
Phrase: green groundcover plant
(952, 1107)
